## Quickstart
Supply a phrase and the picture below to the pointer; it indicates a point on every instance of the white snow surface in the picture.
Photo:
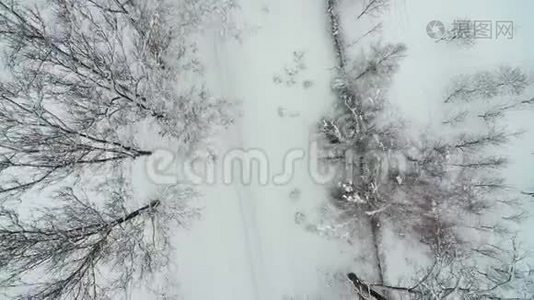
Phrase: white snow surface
(247, 244)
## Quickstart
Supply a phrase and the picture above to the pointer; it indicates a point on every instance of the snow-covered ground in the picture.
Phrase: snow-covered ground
(266, 239)
(247, 244)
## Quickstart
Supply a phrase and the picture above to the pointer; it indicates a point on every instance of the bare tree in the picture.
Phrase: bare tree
(459, 174)
(335, 32)
(363, 289)
(465, 163)
(81, 72)
(498, 111)
(372, 7)
(442, 179)
(78, 249)
(373, 30)
(358, 136)
(109, 58)
(442, 189)
(502, 275)
(488, 84)
(41, 144)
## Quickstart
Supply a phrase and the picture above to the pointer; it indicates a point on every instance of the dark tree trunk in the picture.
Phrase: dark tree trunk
(364, 288)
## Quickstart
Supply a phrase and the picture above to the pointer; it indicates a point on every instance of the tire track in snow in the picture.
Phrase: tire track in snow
(246, 201)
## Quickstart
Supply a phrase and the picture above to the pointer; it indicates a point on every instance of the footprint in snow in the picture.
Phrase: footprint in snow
(299, 218)
(295, 194)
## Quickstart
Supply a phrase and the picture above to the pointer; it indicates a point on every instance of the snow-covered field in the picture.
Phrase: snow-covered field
(248, 245)
(265, 226)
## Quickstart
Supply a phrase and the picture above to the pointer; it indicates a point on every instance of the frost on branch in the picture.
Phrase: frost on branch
(78, 249)
(442, 190)
(40, 144)
(111, 60)
(486, 85)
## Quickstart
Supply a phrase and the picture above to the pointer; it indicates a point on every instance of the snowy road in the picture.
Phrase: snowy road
(247, 245)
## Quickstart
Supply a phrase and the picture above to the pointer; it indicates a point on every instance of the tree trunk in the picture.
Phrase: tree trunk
(375, 230)
(363, 289)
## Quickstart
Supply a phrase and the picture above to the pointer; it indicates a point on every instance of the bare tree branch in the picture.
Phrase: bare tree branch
(75, 243)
